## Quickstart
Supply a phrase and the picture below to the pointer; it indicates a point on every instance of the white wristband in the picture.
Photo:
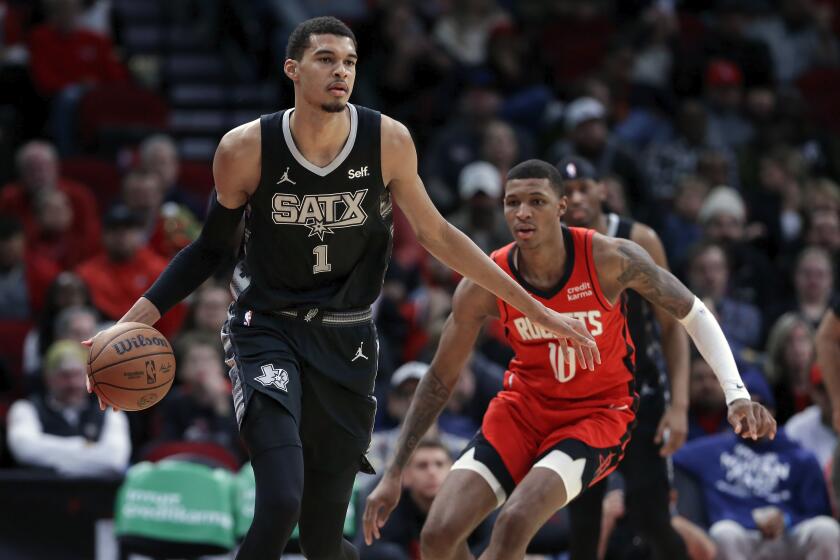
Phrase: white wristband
(708, 337)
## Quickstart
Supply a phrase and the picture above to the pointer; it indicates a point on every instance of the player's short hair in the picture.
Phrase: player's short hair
(538, 169)
(325, 25)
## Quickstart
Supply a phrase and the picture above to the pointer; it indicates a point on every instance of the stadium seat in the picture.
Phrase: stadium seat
(175, 509)
(102, 176)
(113, 115)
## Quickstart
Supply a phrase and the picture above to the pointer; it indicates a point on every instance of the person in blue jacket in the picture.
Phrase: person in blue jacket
(764, 499)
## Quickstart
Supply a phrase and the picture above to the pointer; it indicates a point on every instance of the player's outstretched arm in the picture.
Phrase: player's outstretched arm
(471, 305)
(457, 251)
(828, 358)
(624, 264)
(236, 172)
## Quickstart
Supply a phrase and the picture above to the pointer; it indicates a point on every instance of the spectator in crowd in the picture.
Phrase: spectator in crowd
(404, 382)
(458, 143)
(200, 408)
(698, 544)
(708, 276)
(464, 31)
(707, 405)
(168, 227)
(790, 356)
(728, 129)
(480, 216)
(589, 137)
(799, 37)
(38, 174)
(667, 163)
(776, 204)
(764, 498)
(66, 61)
(823, 230)
(813, 281)
(65, 430)
(55, 239)
(74, 323)
(125, 270)
(812, 427)
(680, 227)
(24, 275)
(64, 54)
(500, 146)
(723, 217)
(66, 291)
(159, 154)
(726, 39)
(424, 475)
(208, 309)
(715, 166)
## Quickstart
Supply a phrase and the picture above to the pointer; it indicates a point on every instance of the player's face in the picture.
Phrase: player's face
(585, 197)
(533, 210)
(326, 72)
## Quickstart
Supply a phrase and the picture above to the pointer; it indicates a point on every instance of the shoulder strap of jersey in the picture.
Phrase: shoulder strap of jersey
(500, 257)
(271, 138)
(585, 236)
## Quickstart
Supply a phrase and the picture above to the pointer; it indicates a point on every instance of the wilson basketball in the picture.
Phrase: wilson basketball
(131, 366)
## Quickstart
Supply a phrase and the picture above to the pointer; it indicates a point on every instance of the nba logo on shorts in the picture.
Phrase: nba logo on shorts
(247, 320)
(272, 376)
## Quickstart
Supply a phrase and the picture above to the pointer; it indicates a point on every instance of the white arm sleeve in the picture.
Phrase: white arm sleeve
(708, 337)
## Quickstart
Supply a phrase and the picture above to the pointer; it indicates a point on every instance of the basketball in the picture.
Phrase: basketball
(131, 366)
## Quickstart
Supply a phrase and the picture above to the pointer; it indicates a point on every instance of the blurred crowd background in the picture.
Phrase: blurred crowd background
(714, 122)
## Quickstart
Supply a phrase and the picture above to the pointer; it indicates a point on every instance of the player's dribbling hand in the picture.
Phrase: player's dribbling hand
(574, 332)
(102, 405)
(751, 420)
(379, 505)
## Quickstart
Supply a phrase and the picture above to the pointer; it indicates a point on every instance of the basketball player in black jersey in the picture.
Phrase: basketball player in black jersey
(661, 345)
(315, 184)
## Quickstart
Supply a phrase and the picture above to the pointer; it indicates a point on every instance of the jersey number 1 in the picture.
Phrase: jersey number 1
(558, 364)
(321, 263)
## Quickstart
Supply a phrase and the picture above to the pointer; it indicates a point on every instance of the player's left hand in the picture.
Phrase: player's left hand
(751, 420)
(674, 422)
(572, 332)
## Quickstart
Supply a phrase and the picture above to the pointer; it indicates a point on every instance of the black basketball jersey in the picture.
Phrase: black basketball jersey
(316, 236)
(644, 330)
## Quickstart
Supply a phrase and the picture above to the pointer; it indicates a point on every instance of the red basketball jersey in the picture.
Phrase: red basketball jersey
(539, 367)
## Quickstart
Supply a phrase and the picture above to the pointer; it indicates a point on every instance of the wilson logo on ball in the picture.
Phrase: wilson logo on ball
(138, 341)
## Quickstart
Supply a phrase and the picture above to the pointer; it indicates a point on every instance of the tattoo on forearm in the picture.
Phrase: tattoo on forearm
(428, 401)
(660, 287)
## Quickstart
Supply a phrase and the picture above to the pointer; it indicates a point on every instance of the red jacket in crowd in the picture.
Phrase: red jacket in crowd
(59, 59)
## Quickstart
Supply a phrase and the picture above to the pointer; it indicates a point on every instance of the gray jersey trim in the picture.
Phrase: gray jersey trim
(339, 159)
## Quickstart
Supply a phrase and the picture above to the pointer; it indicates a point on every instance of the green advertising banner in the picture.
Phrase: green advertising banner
(177, 501)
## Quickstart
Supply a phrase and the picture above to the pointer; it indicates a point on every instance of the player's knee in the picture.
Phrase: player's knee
(280, 502)
(438, 537)
(513, 524)
(823, 533)
(728, 533)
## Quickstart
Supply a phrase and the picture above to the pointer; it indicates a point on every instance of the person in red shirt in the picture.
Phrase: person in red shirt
(63, 54)
(38, 174)
(561, 422)
(24, 276)
(125, 270)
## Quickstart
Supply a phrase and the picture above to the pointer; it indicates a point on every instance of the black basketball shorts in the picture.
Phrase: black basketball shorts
(320, 366)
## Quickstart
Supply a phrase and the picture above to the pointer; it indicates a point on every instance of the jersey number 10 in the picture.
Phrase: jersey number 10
(559, 365)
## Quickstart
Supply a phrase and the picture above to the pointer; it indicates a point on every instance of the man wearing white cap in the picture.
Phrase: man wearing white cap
(588, 135)
(480, 215)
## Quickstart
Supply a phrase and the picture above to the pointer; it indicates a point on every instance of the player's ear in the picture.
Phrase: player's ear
(562, 205)
(601, 190)
(290, 68)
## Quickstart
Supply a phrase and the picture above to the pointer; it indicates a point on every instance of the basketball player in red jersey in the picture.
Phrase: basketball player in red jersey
(554, 429)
